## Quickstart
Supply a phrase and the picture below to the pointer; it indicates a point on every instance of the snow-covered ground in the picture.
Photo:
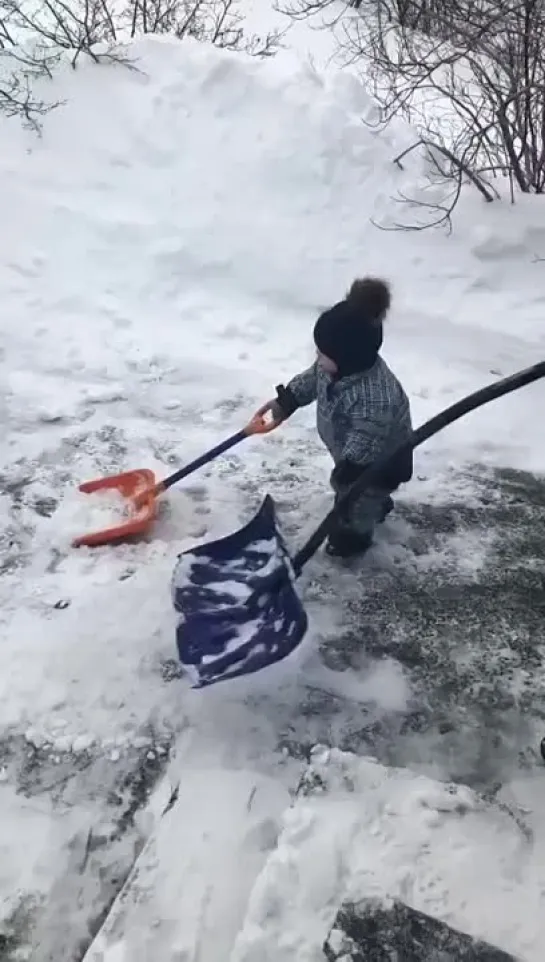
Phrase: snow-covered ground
(171, 238)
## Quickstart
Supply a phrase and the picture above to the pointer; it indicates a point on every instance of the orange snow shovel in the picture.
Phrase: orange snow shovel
(141, 490)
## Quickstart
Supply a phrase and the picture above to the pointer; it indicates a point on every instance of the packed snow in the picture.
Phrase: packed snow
(193, 882)
(87, 513)
(364, 830)
(172, 237)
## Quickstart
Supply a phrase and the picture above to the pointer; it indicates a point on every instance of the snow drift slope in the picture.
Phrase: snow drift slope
(273, 177)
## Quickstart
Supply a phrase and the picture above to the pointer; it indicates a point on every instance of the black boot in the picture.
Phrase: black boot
(387, 508)
(345, 543)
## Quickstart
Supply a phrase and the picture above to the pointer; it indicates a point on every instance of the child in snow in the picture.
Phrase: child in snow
(363, 413)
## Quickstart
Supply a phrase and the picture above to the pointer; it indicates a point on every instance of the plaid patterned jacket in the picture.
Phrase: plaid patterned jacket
(360, 418)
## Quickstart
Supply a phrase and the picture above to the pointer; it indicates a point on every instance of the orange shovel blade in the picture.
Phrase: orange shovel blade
(139, 484)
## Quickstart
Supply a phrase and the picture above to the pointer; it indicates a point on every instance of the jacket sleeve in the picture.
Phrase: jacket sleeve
(303, 387)
(364, 442)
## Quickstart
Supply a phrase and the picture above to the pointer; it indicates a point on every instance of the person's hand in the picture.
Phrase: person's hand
(268, 417)
(273, 411)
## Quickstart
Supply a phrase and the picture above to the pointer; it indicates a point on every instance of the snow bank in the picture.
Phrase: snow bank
(188, 893)
(299, 162)
(359, 830)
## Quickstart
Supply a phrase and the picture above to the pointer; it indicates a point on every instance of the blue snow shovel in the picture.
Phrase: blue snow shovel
(236, 600)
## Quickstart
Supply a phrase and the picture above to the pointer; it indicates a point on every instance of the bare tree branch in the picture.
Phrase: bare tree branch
(456, 161)
(34, 38)
(16, 99)
(219, 22)
(469, 75)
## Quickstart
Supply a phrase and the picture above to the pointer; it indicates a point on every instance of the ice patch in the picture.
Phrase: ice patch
(384, 686)
(31, 865)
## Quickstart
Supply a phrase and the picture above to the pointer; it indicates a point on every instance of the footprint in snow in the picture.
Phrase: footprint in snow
(198, 494)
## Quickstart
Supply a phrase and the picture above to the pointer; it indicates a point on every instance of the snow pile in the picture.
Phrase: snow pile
(190, 887)
(87, 513)
(358, 830)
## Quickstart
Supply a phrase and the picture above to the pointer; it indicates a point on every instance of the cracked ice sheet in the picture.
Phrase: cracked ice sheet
(364, 830)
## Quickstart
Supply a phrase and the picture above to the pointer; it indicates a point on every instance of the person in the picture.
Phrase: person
(363, 413)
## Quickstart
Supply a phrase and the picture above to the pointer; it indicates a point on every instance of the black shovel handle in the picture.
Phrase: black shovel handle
(201, 461)
(258, 425)
(427, 430)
